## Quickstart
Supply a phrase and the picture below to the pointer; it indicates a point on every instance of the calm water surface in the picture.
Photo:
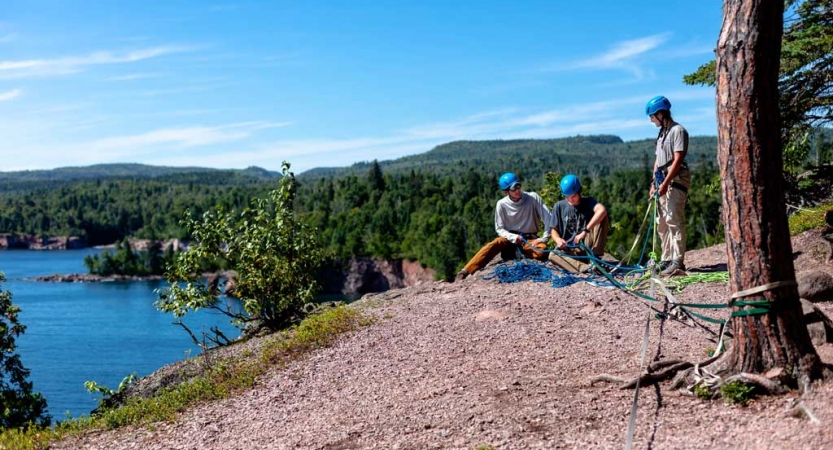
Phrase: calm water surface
(76, 332)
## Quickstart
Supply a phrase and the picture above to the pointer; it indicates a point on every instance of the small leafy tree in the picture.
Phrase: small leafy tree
(274, 255)
(19, 406)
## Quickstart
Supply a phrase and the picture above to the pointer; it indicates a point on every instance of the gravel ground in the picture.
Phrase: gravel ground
(454, 366)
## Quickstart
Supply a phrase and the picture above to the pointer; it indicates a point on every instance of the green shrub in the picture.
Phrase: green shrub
(274, 254)
(737, 392)
(702, 392)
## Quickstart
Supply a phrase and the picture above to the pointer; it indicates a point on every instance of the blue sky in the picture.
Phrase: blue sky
(330, 83)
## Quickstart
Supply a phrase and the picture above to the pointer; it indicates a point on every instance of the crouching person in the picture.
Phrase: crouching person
(574, 220)
(519, 215)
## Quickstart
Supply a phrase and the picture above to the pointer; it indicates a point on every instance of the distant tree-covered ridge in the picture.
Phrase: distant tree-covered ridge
(28, 180)
(437, 207)
(529, 158)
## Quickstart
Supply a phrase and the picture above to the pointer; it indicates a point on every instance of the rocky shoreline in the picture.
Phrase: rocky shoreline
(34, 242)
(90, 278)
(13, 241)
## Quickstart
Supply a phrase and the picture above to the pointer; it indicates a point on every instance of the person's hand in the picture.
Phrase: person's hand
(519, 240)
(653, 189)
(663, 189)
(560, 243)
(580, 237)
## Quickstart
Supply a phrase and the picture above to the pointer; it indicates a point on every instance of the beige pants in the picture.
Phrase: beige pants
(506, 249)
(595, 240)
(671, 224)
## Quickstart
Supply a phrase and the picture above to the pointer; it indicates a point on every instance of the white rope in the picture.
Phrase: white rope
(635, 239)
(634, 405)
(763, 288)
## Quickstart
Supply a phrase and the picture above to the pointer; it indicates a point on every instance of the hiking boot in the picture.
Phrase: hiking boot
(673, 268)
(461, 275)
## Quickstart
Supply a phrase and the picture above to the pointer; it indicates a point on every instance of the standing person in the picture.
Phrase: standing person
(519, 215)
(574, 220)
(671, 182)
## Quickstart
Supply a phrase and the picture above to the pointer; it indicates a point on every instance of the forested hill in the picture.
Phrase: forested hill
(37, 179)
(530, 158)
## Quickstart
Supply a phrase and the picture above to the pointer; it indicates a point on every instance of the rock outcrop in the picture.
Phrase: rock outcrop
(33, 242)
(363, 275)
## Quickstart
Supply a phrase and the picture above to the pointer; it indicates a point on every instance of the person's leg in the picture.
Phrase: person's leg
(662, 228)
(567, 263)
(532, 254)
(489, 251)
(597, 238)
(675, 221)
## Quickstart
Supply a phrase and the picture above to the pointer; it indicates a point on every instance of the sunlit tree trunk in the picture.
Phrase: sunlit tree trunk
(749, 153)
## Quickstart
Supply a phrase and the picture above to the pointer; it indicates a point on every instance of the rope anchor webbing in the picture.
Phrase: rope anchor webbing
(761, 306)
(764, 288)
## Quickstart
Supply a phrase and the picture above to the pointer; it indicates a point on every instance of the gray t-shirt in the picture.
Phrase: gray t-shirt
(569, 220)
(674, 139)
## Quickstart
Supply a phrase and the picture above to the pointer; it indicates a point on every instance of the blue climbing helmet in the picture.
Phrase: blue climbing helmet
(658, 103)
(570, 185)
(508, 180)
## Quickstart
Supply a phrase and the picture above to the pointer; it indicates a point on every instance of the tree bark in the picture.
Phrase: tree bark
(749, 154)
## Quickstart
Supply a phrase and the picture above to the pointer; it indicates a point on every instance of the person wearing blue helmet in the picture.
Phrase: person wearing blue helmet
(577, 220)
(672, 179)
(519, 218)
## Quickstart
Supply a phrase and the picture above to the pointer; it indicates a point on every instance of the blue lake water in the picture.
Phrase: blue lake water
(77, 332)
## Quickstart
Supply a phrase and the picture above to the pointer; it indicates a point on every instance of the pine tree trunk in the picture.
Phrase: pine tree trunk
(749, 153)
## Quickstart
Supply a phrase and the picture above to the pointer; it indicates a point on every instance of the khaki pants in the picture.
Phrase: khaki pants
(671, 224)
(595, 240)
(507, 251)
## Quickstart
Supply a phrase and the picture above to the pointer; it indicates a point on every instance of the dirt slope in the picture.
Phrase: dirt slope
(453, 366)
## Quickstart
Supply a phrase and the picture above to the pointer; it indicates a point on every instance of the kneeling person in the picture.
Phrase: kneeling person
(574, 220)
(518, 216)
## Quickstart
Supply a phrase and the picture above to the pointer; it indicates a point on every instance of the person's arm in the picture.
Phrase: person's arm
(599, 214)
(559, 241)
(544, 214)
(554, 223)
(653, 179)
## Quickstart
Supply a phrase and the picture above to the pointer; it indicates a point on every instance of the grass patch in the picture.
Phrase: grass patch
(737, 392)
(808, 218)
(221, 380)
(702, 392)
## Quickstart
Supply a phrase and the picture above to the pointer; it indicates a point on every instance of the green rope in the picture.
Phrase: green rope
(762, 306)
(679, 283)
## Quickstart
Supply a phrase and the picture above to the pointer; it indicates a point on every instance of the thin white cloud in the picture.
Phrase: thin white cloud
(8, 95)
(197, 136)
(622, 53)
(74, 64)
(181, 137)
(134, 76)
